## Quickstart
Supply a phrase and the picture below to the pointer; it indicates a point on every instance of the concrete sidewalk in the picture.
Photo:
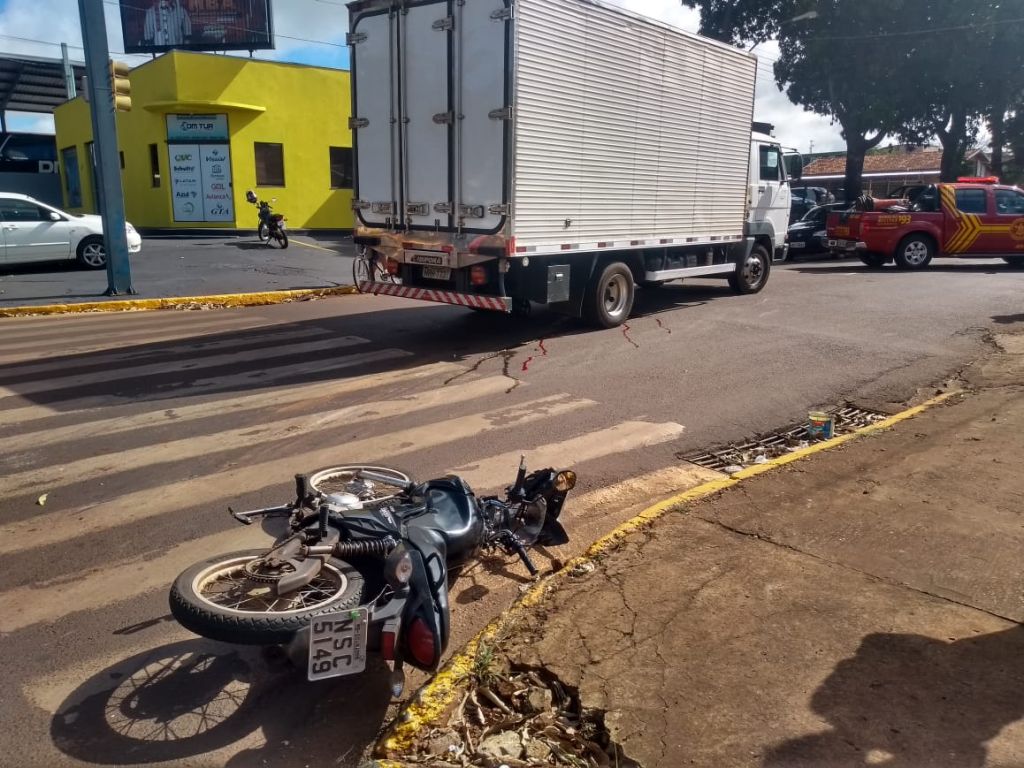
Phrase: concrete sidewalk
(857, 608)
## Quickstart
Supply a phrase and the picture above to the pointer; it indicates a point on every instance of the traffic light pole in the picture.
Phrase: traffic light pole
(104, 132)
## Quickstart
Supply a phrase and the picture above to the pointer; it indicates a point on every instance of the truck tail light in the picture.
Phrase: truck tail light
(478, 275)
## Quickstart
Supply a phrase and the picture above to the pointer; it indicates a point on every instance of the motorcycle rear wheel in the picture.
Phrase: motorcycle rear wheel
(216, 599)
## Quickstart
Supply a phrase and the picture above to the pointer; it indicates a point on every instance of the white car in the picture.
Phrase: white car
(34, 231)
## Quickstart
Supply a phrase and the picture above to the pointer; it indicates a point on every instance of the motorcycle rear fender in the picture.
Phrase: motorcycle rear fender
(428, 588)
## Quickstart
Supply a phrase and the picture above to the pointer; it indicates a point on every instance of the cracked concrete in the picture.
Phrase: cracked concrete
(857, 608)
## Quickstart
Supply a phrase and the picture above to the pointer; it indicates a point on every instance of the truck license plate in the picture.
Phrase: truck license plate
(337, 644)
(437, 273)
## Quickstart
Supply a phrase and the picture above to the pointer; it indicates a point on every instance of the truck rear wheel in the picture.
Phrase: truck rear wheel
(915, 252)
(751, 275)
(609, 299)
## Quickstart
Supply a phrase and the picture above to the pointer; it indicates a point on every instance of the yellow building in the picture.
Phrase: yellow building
(204, 128)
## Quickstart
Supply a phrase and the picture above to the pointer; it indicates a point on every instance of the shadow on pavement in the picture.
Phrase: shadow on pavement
(908, 701)
(395, 339)
(950, 267)
(195, 697)
(1008, 319)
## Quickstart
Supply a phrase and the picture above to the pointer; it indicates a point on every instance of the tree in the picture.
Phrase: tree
(842, 64)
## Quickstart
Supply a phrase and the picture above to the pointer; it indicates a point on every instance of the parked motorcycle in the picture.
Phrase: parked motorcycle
(364, 566)
(271, 226)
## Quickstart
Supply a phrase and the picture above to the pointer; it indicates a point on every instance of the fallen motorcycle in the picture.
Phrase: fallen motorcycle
(364, 566)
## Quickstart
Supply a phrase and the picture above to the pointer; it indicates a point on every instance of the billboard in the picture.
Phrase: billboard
(153, 26)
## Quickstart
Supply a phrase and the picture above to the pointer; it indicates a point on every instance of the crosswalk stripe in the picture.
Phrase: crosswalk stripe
(96, 467)
(99, 587)
(273, 336)
(56, 527)
(627, 436)
(264, 378)
(73, 341)
(105, 424)
(117, 322)
(217, 361)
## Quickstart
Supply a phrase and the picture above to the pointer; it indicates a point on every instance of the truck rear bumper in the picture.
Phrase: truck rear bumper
(849, 246)
(472, 300)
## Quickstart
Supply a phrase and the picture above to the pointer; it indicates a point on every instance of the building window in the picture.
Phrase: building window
(269, 165)
(154, 165)
(972, 200)
(72, 181)
(341, 167)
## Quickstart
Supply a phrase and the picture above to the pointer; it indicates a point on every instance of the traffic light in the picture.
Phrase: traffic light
(120, 86)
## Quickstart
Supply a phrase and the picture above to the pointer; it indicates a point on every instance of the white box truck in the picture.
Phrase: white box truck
(510, 152)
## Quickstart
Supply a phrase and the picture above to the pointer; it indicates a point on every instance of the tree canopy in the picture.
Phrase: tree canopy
(915, 69)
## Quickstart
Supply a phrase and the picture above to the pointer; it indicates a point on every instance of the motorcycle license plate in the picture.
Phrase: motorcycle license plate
(437, 273)
(337, 644)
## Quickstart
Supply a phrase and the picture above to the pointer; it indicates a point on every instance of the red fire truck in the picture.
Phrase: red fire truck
(976, 217)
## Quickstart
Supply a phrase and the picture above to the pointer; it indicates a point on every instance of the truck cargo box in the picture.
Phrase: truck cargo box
(552, 124)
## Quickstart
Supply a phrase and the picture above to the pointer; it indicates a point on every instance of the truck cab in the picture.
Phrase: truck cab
(975, 217)
(769, 197)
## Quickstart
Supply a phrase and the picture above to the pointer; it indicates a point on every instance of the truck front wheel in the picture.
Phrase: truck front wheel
(751, 275)
(609, 299)
(915, 252)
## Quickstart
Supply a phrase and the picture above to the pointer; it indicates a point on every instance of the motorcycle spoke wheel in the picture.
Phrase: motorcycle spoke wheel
(226, 587)
(345, 480)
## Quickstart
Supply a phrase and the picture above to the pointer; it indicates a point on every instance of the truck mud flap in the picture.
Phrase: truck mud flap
(471, 300)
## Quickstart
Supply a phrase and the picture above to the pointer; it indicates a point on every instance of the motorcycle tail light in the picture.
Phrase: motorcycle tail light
(420, 641)
(478, 275)
(392, 267)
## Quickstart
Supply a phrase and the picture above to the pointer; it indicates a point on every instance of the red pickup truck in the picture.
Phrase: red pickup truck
(975, 217)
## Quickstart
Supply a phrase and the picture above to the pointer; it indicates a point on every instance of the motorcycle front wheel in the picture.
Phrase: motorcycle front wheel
(221, 599)
(282, 238)
(263, 232)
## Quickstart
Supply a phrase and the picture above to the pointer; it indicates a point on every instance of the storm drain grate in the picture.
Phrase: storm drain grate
(732, 458)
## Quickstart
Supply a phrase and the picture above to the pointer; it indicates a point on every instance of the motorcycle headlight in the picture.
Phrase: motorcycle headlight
(565, 481)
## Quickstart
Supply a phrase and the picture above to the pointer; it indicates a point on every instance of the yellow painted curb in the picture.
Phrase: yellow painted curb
(439, 694)
(145, 305)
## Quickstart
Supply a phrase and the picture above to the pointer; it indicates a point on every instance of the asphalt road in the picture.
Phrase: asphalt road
(194, 266)
(142, 428)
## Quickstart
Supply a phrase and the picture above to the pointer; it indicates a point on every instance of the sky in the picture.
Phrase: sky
(313, 32)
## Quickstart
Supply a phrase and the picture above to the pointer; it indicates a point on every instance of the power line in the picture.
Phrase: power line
(70, 45)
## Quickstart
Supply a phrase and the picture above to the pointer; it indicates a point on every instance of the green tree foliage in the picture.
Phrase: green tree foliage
(917, 69)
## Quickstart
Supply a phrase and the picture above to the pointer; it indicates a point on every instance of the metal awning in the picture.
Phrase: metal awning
(32, 84)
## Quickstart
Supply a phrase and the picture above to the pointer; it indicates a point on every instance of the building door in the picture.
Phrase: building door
(200, 161)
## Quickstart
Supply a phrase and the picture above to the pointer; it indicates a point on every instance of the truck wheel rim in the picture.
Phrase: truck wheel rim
(616, 295)
(226, 586)
(94, 254)
(753, 271)
(915, 253)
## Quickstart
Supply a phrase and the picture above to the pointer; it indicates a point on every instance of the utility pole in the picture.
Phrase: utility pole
(104, 133)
